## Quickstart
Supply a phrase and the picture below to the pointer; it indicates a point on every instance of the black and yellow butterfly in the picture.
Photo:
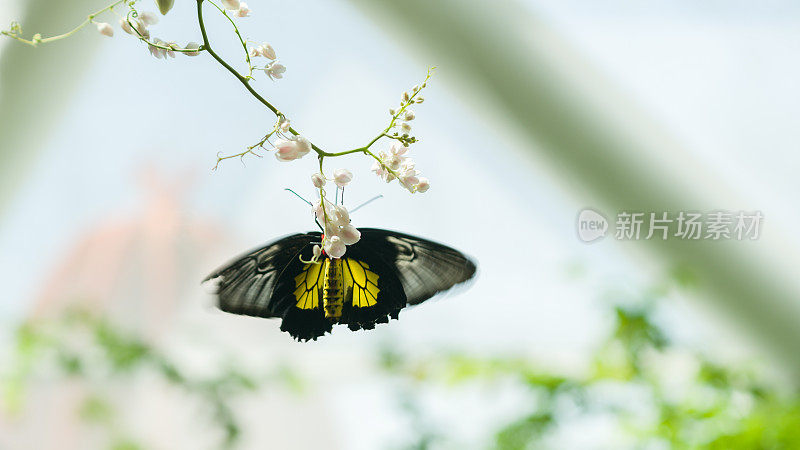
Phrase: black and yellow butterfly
(379, 275)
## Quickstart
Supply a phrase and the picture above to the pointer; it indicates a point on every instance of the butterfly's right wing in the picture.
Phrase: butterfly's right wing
(246, 284)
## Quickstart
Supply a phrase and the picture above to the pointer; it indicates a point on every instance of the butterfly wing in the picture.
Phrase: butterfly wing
(409, 270)
(372, 291)
(245, 285)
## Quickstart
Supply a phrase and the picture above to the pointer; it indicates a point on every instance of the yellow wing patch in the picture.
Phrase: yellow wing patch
(308, 284)
(362, 282)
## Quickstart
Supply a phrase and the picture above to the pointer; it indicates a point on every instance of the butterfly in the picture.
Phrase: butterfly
(382, 273)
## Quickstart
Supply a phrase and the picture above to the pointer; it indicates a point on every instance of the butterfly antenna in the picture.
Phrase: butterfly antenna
(365, 203)
(299, 196)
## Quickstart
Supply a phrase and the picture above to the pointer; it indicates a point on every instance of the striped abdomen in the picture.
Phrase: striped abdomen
(333, 289)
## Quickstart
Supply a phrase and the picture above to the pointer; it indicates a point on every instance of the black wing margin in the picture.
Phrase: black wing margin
(245, 285)
(424, 268)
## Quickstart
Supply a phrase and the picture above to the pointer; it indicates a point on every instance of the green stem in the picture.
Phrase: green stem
(89, 19)
(236, 29)
(246, 82)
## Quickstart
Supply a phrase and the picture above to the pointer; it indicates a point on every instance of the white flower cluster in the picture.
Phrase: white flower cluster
(274, 69)
(158, 48)
(338, 232)
(239, 9)
(396, 164)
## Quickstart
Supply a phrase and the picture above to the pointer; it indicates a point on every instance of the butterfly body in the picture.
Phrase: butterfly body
(381, 274)
(333, 289)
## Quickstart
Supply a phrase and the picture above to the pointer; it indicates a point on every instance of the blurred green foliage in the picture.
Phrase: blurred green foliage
(659, 393)
(83, 346)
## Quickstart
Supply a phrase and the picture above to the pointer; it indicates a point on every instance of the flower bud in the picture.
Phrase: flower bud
(142, 30)
(303, 145)
(267, 51)
(405, 97)
(410, 115)
(105, 29)
(148, 18)
(420, 99)
(230, 5)
(286, 150)
(317, 180)
(392, 112)
(342, 216)
(192, 46)
(342, 176)
(349, 234)
(164, 6)
(423, 185)
(405, 128)
(126, 27)
(334, 247)
(243, 10)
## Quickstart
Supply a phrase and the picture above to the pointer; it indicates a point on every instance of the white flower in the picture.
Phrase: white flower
(158, 52)
(148, 18)
(303, 145)
(267, 51)
(275, 70)
(334, 247)
(105, 29)
(291, 149)
(398, 149)
(408, 178)
(342, 216)
(192, 46)
(230, 5)
(254, 52)
(342, 176)
(243, 10)
(125, 25)
(285, 125)
(171, 45)
(317, 208)
(410, 115)
(405, 128)
(423, 185)
(317, 180)
(381, 171)
(141, 28)
(349, 234)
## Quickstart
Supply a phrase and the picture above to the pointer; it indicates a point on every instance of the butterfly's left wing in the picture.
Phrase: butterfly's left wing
(407, 270)
(425, 268)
